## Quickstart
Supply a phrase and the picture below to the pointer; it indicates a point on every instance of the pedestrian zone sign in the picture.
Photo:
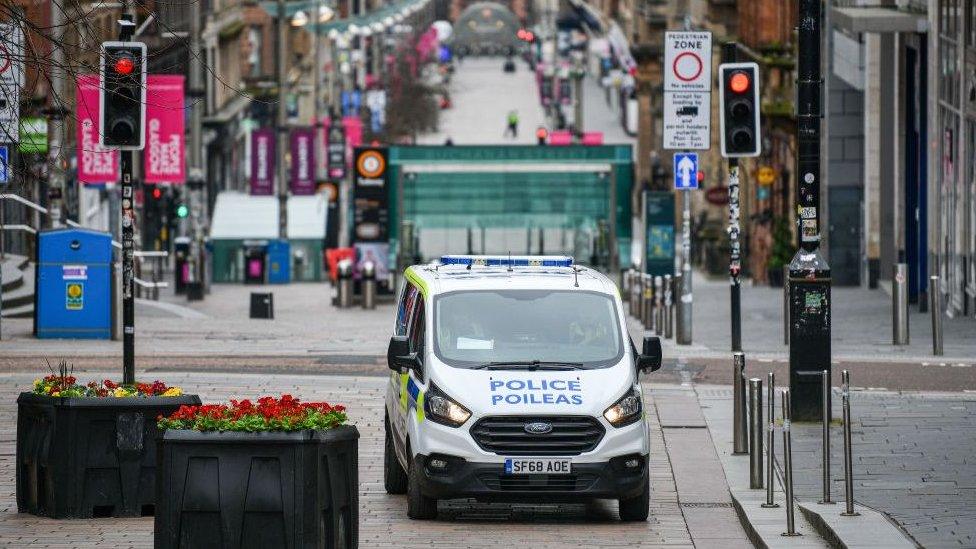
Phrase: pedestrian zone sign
(685, 171)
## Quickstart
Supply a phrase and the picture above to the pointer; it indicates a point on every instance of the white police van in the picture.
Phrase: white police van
(514, 379)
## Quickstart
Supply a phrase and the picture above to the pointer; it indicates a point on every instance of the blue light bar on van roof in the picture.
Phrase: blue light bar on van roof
(505, 261)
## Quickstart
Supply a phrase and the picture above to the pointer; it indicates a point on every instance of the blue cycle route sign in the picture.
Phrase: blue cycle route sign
(4, 164)
(685, 171)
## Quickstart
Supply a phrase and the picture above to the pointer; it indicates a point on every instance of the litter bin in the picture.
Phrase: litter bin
(279, 262)
(254, 266)
(73, 285)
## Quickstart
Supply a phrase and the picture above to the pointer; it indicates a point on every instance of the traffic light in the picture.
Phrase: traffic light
(122, 95)
(541, 135)
(739, 105)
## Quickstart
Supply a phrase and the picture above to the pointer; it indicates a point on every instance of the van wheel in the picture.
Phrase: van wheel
(635, 509)
(394, 477)
(419, 506)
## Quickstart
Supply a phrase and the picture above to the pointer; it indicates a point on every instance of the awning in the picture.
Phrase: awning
(878, 20)
(240, 216)
(230, 109)
(363, 23)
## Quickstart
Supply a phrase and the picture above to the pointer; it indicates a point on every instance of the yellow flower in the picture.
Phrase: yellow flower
(37, 383)
(55, 393)
(173, 392)
(120, 392)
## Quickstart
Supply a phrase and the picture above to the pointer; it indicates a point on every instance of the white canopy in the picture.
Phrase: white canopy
(241, 216)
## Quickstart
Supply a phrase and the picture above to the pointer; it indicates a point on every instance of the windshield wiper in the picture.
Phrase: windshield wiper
(528, 365)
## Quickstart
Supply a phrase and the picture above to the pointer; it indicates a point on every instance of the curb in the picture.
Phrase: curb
(871, 529)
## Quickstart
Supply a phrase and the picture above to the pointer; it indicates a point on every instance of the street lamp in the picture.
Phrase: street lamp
(300, 19)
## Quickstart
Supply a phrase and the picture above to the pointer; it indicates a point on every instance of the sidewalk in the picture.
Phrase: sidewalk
(860, 326)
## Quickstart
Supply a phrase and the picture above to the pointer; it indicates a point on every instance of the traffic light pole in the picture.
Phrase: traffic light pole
(809, 283)
(735, 266)
(128, 251)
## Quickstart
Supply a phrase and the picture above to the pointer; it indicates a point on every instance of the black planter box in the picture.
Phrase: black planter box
(89, 457)
(258, 490)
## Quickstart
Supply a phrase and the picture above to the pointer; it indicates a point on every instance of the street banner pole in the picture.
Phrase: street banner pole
(684, 328)
(729, 56)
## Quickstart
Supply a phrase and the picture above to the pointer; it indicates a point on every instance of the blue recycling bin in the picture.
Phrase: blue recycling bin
(279, 262)
(73, 286)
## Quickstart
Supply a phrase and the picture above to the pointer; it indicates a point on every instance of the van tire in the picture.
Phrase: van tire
(636, 509)
(394, 477)
(419, 506)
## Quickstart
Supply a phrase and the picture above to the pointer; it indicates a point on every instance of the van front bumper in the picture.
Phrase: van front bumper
(488, 482)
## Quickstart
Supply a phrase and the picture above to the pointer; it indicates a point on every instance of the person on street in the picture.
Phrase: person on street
(513, 121)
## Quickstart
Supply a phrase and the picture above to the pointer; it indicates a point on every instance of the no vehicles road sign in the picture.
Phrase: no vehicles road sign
(688, 61)
(685, 171)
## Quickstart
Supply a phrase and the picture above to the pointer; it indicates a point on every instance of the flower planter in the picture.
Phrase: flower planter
(79, 457)
(285, 490)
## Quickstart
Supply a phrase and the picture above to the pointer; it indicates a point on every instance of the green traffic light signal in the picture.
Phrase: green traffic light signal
(182, 211)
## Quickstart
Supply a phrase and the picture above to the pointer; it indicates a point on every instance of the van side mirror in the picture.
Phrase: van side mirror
(398, 355)
(651, 355)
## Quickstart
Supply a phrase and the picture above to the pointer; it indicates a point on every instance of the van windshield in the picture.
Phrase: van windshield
(474, 329)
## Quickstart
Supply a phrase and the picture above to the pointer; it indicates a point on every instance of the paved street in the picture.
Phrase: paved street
(673, 521)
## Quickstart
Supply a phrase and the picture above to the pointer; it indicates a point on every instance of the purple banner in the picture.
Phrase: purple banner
(262, 161)
(302, 161)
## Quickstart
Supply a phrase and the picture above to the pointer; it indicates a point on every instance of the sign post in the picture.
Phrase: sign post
(687, 126)
(11, 80)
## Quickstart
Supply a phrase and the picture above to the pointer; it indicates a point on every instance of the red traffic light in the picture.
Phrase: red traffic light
(124, 65)
(529, 36)
(542, 133)
(739, 82)
(157, 193)
(521, 34)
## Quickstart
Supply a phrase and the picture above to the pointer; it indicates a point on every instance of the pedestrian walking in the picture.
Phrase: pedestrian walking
(513, 120)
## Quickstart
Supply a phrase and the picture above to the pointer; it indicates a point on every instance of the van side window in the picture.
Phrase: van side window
(405, 307)
(417, 331)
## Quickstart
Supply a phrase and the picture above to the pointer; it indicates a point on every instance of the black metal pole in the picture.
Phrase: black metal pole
(128, 227)
(809, 283)
(735, 257)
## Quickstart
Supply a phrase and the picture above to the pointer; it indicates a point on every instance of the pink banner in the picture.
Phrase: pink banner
(96, 164)
(354, 135)
(164, 157)
(303, 161)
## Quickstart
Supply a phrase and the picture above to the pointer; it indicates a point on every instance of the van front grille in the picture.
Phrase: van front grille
(506, 435)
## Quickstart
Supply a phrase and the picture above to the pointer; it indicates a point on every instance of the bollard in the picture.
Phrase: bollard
(648, 304)
(642, 299)
(344, 287)
(369, 285)
(668, 307)
(658, 305)
(825, 420)
(678, 311)
(755, 434)
(899, 305)
(935, 309)
(786, 304)
(848, 456)
(770, 438)
(740, 442)
(788, 467)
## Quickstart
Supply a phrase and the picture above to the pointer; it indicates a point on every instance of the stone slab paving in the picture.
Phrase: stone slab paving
(912, 460)
(383, 517)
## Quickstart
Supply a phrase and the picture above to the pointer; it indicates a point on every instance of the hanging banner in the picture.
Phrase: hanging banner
(303, 161)
(335, 150)
(262, 161)
(164, 155)
(96, 164)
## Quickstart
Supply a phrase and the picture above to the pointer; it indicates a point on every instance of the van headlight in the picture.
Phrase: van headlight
(440, 408)
(625, 411)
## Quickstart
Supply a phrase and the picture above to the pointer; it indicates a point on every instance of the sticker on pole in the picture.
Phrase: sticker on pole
(4, 164)
(688, 61)
(685, 171)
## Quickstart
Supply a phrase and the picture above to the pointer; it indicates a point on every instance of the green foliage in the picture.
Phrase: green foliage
(783, 249)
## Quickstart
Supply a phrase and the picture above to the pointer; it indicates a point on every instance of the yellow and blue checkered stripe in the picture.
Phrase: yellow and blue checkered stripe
(411, 396)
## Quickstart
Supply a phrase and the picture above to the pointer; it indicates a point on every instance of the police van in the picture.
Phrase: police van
(514, 379)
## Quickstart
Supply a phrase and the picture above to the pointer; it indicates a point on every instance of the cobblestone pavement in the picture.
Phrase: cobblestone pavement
(913, 460)
(383, 517)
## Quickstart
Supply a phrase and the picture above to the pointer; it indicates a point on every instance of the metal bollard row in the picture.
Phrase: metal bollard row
(825, 420)
(770, 439)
